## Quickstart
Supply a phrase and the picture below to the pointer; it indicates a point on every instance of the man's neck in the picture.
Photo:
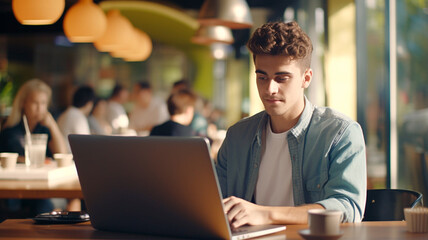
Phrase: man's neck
(181, 119)
(283, 123)
(85, 110)
(280, 124)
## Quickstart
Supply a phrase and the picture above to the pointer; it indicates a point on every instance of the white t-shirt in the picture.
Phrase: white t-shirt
(274, 185)
(73, 121)
(116, 116)
(155, 114)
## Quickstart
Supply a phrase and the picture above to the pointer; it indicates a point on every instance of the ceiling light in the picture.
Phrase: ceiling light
(143, 50)
(85, 21)
(119, 31)
(207, 35)
(234, 14)
(38, 12)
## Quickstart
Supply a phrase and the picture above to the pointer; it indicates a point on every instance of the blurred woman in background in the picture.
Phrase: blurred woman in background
(32, 100)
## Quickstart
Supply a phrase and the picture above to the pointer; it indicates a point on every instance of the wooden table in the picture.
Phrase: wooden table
(40, 189)
(25, 229)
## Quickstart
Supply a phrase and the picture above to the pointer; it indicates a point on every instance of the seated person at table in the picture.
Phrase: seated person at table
(32, 100)
(75, 119)
(116, 114)
(98, 123)
(181, 107)
(293, 156)
(149, 110)
(199, 123)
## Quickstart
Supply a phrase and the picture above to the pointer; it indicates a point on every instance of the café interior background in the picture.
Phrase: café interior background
(369, 62)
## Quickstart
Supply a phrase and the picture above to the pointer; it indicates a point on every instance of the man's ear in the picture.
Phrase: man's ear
(307, 78)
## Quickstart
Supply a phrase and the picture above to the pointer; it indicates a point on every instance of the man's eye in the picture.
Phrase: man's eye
(261, 77)
(282, 79)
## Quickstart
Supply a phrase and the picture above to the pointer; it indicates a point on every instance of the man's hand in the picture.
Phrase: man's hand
(240, 212)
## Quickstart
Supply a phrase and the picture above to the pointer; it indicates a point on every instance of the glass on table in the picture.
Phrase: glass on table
(35, 150)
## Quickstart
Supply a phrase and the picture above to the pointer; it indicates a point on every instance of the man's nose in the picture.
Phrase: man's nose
(272, 87)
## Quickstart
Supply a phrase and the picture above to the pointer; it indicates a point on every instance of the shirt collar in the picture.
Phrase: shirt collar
(302, 125)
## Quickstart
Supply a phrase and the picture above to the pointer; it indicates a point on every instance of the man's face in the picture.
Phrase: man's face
(143, 97)
(281, 83)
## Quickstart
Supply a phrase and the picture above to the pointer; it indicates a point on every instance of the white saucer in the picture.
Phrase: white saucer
(306, 234)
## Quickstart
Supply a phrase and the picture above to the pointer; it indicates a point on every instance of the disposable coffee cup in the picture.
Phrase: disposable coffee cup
(63, 159)
(416, 219)
(324, 222)
(8, 160)
(35, 150)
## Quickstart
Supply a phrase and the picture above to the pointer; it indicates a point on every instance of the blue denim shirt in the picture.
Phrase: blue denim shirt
(328, 158)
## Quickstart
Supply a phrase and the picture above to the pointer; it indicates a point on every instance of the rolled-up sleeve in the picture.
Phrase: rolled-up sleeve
(346, 187)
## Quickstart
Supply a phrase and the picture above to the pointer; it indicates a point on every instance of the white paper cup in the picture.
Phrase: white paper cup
(416, 219)
(8, 160)
(63, 159)
(324, 222)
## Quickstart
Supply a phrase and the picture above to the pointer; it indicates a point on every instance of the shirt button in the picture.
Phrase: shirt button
(318, 186)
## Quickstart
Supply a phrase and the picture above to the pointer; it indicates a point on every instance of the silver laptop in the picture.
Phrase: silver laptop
(155, 186)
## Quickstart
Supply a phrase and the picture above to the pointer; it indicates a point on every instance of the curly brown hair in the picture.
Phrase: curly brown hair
(279, 38)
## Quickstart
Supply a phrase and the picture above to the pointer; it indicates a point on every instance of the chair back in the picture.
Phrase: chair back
(389, 204)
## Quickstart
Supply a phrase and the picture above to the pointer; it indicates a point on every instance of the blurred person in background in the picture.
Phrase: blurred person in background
(75, 119)
(116, 114)
(98, 123)
(32, 100)
(181, 107)
(199, 123)
(149, 110)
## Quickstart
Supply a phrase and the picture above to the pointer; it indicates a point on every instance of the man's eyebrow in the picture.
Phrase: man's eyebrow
(283, 73)
(277, 73)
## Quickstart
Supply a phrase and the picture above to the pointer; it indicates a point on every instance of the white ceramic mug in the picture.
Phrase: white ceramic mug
(63, 159)
(8, 160)
(324, 222)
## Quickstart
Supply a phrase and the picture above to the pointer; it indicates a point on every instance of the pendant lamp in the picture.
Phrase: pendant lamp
(131, 46)
(85, 21)
(38, 12)
(234, 14)
(117, 35)
(143, 50)
(207, 35)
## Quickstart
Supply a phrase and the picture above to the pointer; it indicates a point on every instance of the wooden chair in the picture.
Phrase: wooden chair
(389, 204)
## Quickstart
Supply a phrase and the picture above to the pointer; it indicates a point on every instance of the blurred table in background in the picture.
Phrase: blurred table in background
(40, 189)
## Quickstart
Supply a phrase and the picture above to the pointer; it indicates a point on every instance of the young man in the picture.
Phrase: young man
(294, 156)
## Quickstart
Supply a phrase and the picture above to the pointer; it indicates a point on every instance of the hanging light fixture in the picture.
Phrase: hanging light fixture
(143, 50)
(234, 14)
(118, 32)
(129, 48)
(38, 12)
(206, 35)
(85, 21)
